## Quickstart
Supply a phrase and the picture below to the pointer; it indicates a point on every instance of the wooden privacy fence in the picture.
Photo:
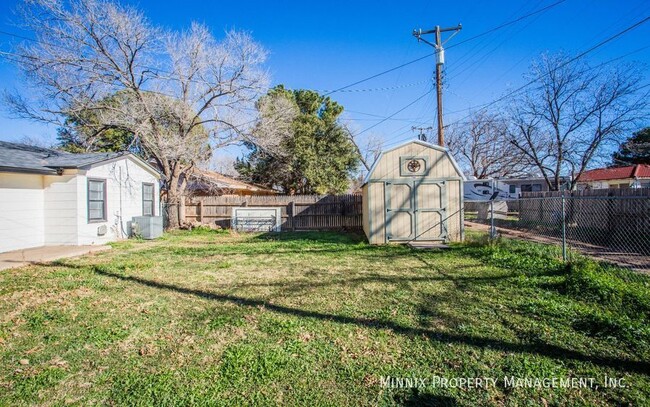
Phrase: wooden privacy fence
(299, 212)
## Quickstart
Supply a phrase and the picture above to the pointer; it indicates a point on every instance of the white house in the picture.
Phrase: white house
(49, 197)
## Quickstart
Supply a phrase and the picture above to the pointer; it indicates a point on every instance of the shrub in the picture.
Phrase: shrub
(613, 288)
(525, 258)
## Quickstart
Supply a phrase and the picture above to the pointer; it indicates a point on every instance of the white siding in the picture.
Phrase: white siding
(37, 210)
(124, 179)
(21, 211)
(60, 197)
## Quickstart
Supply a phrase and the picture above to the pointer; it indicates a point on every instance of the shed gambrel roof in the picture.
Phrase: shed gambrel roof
(15, 157)
(423, 144)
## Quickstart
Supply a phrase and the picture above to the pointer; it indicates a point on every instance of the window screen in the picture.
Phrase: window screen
(96, 200)
(147, 200)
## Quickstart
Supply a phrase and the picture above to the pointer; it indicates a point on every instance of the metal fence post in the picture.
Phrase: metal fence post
(492, 230)
(563, 228)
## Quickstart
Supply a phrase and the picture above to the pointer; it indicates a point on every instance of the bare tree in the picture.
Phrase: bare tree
(223, 164)
(36, 142)
(482, 146)
(180, 94)
(574, 114)
(276, 116)
(368, 148)
(371, 149)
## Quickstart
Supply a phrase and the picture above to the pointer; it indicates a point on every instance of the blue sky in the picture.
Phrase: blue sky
(326, 45)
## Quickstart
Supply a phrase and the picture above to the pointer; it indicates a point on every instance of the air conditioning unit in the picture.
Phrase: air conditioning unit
(147, 227)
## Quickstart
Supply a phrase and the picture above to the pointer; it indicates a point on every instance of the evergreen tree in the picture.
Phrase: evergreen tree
(315, 156)
(636, 150)
(85, 131)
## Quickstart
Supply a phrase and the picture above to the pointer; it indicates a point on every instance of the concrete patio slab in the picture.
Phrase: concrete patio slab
(43, 254)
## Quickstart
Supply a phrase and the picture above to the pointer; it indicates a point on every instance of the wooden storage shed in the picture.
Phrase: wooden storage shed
(413, 192)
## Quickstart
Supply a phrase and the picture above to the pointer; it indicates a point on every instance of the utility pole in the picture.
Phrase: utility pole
(440, 61)
(422, 136)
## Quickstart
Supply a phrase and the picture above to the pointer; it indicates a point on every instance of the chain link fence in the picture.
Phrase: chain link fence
(611, 229)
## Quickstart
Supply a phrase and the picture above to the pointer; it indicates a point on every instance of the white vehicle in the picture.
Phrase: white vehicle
(482, 190)
(508, 188)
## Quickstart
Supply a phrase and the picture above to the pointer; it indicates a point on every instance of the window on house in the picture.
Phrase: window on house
(513, 189)
(96, 200)
(536, 187)
(526, 188)
(147, 199)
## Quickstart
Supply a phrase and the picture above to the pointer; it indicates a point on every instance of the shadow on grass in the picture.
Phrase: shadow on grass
(543, 349)
(372, 278)
(347, 237)
(241, 248)
(424, 399)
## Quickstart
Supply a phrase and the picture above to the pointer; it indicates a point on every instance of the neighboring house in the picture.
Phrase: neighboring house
(210, 183)
(50, 197)
(631, 176)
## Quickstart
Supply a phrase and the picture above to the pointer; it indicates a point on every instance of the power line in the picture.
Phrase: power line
(394, 113)
(512, 67)
(342, 88)
(474, 52)
(491, 30)
(462, 120)
(380, 89)
(406, 119)
(379, 74)
(480, 57)
(499, 27)
(586, 70)
(582, 54)
(506, 24)
(565, 63)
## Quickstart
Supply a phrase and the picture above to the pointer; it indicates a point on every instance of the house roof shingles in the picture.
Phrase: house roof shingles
(605, 174)
(16, 157)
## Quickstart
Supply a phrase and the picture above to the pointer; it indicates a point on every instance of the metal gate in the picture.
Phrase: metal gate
(415, 210)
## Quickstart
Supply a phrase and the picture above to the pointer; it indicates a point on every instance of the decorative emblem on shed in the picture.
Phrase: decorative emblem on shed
(413, 166)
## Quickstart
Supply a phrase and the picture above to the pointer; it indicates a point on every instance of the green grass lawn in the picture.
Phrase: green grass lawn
(207, 318)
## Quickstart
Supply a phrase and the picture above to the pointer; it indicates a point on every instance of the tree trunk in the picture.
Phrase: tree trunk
(175, 200)
(175, 209)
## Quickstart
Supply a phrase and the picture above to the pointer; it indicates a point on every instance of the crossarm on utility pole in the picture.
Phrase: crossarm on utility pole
(440, 60)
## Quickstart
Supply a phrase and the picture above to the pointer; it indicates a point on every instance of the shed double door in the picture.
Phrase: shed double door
(415, 210)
